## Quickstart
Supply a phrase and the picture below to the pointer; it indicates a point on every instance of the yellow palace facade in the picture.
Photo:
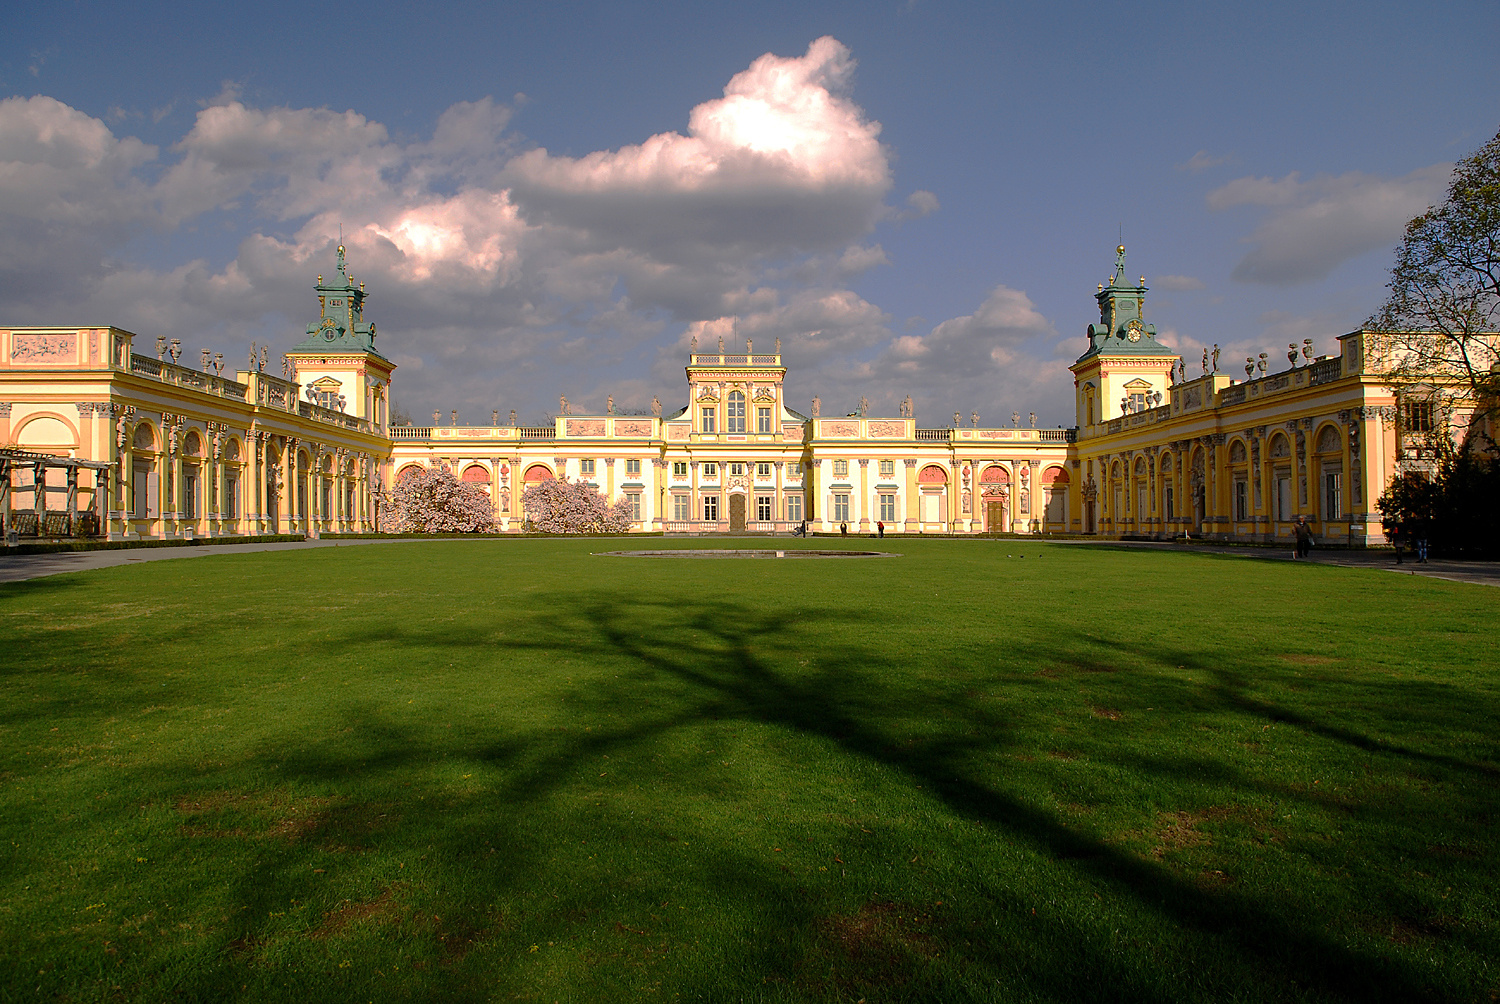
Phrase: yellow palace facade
(142, 445)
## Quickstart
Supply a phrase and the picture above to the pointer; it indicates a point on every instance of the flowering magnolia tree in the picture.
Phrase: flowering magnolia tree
(432, 500)
(563, 506)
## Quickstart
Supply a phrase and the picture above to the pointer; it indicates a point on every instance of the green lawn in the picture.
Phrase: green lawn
(510, 769)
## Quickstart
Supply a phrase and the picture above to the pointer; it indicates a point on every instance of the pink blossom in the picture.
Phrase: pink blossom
(432, 500)
(563, 506)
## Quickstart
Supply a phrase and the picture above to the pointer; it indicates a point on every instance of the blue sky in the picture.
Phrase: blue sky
(553, 199)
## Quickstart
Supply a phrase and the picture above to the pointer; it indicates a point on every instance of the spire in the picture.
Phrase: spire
(342, 326)
(1122, 327)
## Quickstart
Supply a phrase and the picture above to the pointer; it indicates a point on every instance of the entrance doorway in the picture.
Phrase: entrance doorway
(736, 512)
(994, 517)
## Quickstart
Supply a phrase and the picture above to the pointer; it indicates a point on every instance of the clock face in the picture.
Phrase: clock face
(1133, 331)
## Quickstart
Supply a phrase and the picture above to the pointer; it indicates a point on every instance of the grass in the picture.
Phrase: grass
(496, 770)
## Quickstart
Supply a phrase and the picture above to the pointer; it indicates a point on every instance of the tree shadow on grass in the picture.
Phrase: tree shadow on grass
(724, 658)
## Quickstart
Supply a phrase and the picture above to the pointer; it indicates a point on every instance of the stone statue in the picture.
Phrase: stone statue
(1216, 357)
(161, 346)
(721, 345)
(1033, 420)
(749, 347)
(973, 419)
(655, 405)
(494, 417)
(1015, 419)
(455, 416)
(695, 344)
(437, 417)
(1205, 361)
(906, 407)
(562, 404)
(778, 346)
(609, 407)
(264, 355)
(513, 417)
(864, 405)
(957, 420)
(817, 406)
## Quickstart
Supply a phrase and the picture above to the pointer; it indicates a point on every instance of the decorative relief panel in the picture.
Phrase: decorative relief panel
(885, 430)
(585, 427)
(792, 433)
(43, 348)
(623, 428)
(677, 432)
(840, 428)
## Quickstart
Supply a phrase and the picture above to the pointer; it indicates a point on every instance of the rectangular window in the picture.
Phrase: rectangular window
(1170, 500)
(841, 468)
(736, 417)
(231, 506)
(708, 418)
(633, 467)
(586, 468)
(711, 508)
(679, 468)
(190, 493)
(1138, 401)
(737, 470)
(710, 470)
(763, 420)
(887, 468)
(1416, 416)
(841, 508)
(1333, 502)
(635, 505)
(794, 508)
(682, 508)
(327, 510)
(765, 507)
(763, 471)
(888, 508)
(1242, 500)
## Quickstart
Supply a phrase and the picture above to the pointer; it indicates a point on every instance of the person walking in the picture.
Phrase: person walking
(1421, 542)
(1398, 541)
(1304, 537)
(843, 529)
(880, 529)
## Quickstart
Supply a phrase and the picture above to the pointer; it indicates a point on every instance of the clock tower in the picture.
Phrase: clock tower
(1124, 370)
(337, 363)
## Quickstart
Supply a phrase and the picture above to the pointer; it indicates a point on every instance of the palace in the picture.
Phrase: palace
(98, 437)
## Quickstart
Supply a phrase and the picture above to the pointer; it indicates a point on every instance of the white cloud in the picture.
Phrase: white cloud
(1179, 283)
(1318, 224)
(1202, 161)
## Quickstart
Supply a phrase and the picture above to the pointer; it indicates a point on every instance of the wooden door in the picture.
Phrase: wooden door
(994, 517)
(737, 512)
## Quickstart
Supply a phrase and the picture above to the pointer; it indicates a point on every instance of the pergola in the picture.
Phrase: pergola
(12, 522)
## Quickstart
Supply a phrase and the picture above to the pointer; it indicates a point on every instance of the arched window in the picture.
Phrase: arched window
(736, 414)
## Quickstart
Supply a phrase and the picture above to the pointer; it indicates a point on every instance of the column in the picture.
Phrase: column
(913, 498)
(864, 495)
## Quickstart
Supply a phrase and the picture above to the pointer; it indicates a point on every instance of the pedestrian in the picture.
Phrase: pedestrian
(1304, 537)
(1421, 542)
(1398, 541)
(843, 529)
(880, 528)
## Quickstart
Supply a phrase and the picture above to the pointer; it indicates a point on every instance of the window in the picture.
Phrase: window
(633, 467)
(763, 471)
(762, 420)
(794, 469)
(1242, 500)
(682, 508)
(888, 508)
(841, 468)
(710, 470)
(711, 508)
(1416, 416)
(737, 470)
(1333, 503)
(1170, 500)
(327, 510)
(794, 508)
(190, 492)
(1138, 401)
(735, 419)
(586, 468)
(634, 498)
(679, 468)
(765, 507)
(708, 418)
(841, 508)
(231, 506)
(887, 468)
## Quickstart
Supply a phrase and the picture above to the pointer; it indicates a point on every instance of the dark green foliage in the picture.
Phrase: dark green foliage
(511, 770)
(1458, 510)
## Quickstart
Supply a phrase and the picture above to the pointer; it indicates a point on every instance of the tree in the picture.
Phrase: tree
(432, 500)
(563, 506)
(1439, 324)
